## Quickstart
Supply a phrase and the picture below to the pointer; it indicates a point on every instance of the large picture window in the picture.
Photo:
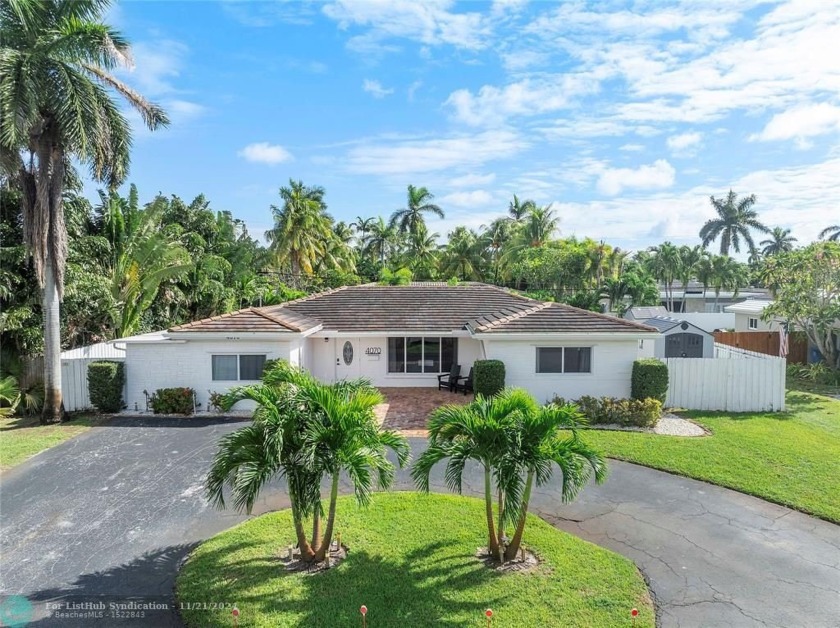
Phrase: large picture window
(564, 359)
(232, 368)
(415, 354)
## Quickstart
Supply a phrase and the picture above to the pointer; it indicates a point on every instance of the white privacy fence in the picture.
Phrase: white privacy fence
(735, 380)
(74, 368)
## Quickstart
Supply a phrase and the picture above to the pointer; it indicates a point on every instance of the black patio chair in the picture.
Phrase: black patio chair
(465, 384)
(449, 379)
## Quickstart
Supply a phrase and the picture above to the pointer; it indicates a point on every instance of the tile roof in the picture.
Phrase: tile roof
(419, 307)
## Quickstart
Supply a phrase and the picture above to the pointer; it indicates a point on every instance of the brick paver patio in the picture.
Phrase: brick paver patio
(406, 409)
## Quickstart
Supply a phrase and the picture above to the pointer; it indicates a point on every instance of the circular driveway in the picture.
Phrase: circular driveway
(108, 516)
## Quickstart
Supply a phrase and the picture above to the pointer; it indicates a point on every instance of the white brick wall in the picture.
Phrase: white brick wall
(166, 365)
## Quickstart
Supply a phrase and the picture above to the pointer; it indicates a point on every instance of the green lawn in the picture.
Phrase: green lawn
(792, 457)
(412, 563)
(23, 437)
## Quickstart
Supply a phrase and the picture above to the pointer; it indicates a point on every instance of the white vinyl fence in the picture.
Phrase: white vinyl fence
(74, 368)
(734, 380)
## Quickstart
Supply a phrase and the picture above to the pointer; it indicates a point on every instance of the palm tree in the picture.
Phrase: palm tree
(410, 218)
(423, 250)
(780, 241)
(362, 226)
(690, 258)
(539, 226)
(664, 264)
(496, 237)
(303, 431)
(462, 255)
(547, 436)
(379, 242)
(301, 227)
(726, 274)
(57, 109)
(517, 210)
(832, 233)
(735, 220)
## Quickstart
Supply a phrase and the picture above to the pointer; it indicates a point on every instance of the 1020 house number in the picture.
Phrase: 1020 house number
(373, 351)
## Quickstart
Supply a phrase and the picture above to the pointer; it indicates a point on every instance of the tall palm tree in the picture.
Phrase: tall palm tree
(690, 258)
(539, 226)
(780, 241)
(547, 436)
(727, 274)
(832, 233)
(517, 210)
(497, 236)
(362, 226)
(423, 251)
(736, 218)
(57, 108)
(378, 242)
(304, 431)
(664, 264)
(410, 218)
(462, 255)
(301, 228)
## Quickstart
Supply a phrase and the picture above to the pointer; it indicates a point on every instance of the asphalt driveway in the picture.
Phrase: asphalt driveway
(107, 517)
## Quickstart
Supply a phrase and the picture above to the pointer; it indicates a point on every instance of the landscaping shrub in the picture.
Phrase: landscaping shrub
(817, 373)
(488, 377)
(401, 277)
(172, 401)
(649, 380)
(105, 385)
(626, 412)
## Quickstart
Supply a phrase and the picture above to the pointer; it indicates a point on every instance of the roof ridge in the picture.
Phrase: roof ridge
(273, 319)
(210, 318)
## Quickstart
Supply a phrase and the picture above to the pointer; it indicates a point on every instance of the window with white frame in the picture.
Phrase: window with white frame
(233, 368)
(753, 323)
(422, 354)
(564, 359)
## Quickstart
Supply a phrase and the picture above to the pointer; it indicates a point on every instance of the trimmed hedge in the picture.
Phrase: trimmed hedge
(106, 380)
(626, 412)
(172, 401)
(488, 377)
(649, 379)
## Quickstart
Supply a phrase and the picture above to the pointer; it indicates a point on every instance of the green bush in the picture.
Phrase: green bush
(612, 411)
(106, 380)
(172, 401)
(402, 277)
(649, 380)
(488, 377)
(817, 373)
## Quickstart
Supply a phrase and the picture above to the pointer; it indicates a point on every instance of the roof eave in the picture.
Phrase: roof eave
(565, 335)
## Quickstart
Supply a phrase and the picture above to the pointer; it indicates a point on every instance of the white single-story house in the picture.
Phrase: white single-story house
(748, 316)
(680, 339)
(402, 336)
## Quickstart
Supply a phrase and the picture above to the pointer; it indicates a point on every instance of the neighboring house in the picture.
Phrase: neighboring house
(396, 336)
(680, 339)
(749, 316)
(708, 322)
(695, 298)
(641, 313)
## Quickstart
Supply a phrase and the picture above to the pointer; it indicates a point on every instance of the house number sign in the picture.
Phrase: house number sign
(373, 351)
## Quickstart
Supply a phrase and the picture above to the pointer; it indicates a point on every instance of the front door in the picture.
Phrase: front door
(684, 346)
(347, 358)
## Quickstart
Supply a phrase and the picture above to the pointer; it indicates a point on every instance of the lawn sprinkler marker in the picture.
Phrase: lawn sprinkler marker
(633, 613)
(235, 613)
(363, 611)
(489, 615)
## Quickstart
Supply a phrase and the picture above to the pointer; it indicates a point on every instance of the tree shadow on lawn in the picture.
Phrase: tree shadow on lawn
(415, 589)
(148, 578)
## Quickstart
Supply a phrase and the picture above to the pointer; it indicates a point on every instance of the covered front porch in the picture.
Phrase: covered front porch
(406, 409)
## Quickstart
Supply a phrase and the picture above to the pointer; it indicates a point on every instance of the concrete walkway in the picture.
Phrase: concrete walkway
(110, 514)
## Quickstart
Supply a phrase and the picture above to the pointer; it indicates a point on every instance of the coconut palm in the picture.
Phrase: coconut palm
(545, 437)
(462, 255)
(726, 274)
(736, 219)
(303, 431)
(423, 254)
(497, 237)
(832, 233)
(362, 226)
(379, 241)
(57, 108)
(517, 210)
(301, 228)
(690, 259)
(780, 241)
(664, 264)
(410, 218)
(539, 226)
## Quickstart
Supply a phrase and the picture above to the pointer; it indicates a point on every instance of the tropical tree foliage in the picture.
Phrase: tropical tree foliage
(736, 220)
(780, 241)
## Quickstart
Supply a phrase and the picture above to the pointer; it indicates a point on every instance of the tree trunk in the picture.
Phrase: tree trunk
(306, 552)
(53, 407)
(492, 543)
(316, 530)
(325, 545)
(501, 526)
(516, 541)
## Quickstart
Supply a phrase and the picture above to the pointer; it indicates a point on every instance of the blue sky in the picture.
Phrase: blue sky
(625, 115)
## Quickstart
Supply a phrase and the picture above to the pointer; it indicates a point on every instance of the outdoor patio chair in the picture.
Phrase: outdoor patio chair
(465, 384)
(450, 379)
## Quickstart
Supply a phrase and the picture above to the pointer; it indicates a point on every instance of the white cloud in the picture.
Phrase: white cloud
(659, 174)
(429, 22)
(375, 88)
(632, 147)
(523, 59)
(156, 65)
(471, 199)
(469, 180)
(265, 153)
(684, 144)
(402, 157)
(801, 122)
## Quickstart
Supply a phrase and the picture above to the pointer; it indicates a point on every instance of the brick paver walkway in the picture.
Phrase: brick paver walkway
(406, 409)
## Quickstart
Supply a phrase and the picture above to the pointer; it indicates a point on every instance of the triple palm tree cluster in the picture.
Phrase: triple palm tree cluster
(309, 433)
